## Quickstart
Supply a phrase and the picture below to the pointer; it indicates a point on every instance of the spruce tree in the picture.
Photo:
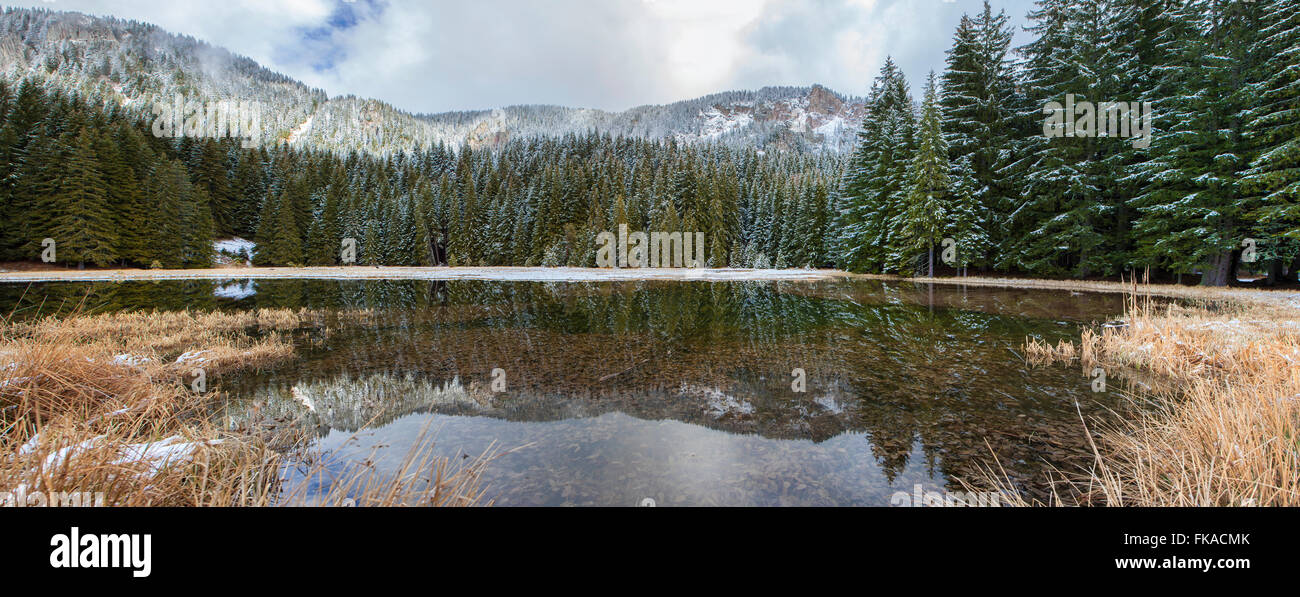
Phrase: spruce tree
(1192, 216)
(876, 182)
(422, 247)
(84, 228)
(134, 202)
(1273, 125)
(209, 173)
(248, 188)
(926, 216)
(1065, 223)
(983, 118)
(164, 187)
(325, 238)
(197, 226)
(277, 235)
(123, 198)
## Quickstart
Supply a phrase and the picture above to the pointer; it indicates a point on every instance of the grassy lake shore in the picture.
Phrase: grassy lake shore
(112, 405)
(100, 402)
(1221, 397)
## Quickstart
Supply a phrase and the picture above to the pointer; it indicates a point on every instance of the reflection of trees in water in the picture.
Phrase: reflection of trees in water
(60, 298)
(1021, 302)
(949, 384)
(350, 404)
(941, 378)
(710, 305)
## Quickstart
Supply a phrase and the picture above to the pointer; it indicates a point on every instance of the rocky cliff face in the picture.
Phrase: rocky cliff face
(137, 65)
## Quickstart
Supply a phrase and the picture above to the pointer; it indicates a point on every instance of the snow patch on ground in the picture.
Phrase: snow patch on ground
(15, 381)
(301, 130)
(193, 357)
(156, 455)
(236, 247)
(130, 360)
(1236, 323)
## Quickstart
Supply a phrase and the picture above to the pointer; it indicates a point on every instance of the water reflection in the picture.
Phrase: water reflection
(618, 459)
(680, 392)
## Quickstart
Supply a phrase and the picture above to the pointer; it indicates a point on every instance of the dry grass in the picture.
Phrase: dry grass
(104, 404)
(421, 479)
(1041, 353)
(1221, 417)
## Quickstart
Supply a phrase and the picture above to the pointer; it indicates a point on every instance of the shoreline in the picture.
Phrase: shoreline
(1284, 298)
(1220, 378)
(111, 405)
(362, 272)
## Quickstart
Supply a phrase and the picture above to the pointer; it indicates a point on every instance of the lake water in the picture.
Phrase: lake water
(679, 392)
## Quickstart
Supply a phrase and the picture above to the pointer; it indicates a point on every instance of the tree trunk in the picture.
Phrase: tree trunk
(931, 260)
(1220, 269)
(1274, 272)
(439, 254)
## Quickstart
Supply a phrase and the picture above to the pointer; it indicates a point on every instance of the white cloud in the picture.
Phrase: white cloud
(430, 56)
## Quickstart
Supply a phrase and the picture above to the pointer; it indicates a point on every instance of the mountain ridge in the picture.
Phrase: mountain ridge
(137, 64)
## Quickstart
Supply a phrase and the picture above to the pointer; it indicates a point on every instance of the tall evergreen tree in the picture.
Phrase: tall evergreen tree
(1064, 224)
(278, 241)
(926, 216)
(209, 173)
(983, 118)
(84, 229)
(876, 182)
(166, 184)
(1273, 125)
(1192, 216)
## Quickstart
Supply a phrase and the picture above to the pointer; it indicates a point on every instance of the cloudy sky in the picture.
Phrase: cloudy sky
(440, 55)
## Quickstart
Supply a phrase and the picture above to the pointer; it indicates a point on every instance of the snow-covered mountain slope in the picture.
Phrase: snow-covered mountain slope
(803, 118)
(138, 65)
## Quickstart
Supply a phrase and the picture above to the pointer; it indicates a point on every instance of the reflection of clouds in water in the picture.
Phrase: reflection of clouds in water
(924, 391)
(618, 460)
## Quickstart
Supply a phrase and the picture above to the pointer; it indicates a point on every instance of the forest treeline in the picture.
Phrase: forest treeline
(1220, 178)
(94, 179)
(968, 162)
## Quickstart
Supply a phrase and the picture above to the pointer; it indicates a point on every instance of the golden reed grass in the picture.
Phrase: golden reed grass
(101, 404)
(1220, 417)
